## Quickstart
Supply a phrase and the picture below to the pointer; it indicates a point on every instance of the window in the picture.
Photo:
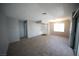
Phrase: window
(58, 27)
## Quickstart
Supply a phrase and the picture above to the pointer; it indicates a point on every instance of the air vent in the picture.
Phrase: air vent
(44, 13)
(38, 21)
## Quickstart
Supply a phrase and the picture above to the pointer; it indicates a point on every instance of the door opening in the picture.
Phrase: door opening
(23, 29)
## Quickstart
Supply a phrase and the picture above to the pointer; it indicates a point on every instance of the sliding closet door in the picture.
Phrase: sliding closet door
(77, 38)
(75, 33)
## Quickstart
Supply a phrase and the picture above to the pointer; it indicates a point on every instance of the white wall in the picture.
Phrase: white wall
(34, 29)
(3, 35)
(9, 32)
(44, 28)
(13, 29)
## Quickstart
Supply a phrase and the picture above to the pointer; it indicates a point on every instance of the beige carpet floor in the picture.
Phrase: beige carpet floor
(41, 46)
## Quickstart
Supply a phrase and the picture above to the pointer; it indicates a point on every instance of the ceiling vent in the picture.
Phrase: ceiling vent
(38, 21)
(44, 13)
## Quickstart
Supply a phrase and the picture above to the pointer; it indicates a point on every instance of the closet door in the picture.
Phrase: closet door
(75, 32)
(76, 38)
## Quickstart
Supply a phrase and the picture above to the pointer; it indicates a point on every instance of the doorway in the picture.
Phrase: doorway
(23, 29)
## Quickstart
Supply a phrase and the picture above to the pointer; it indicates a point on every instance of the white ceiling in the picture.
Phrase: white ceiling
(33, 11)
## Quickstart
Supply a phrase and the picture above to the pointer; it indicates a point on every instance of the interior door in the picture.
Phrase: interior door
(77, 39)
(76, 42)
(75, 32)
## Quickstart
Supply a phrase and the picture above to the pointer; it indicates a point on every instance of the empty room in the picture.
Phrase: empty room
(39, 29)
